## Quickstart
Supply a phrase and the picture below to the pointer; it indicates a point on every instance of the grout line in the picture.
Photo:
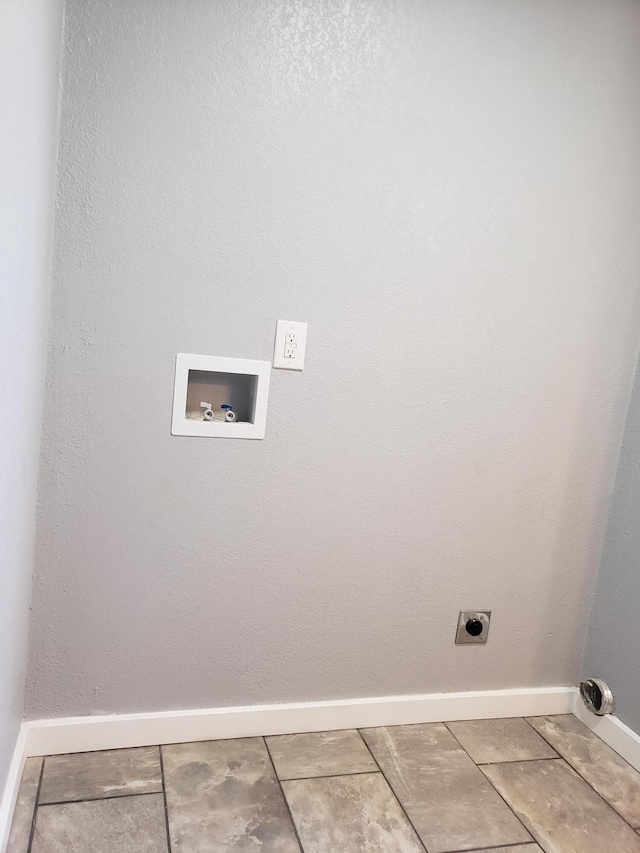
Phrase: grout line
(190, 742)
(547, 758)
(517, 817)
(332, 776)
(516, 761)
(35, 809)
(586, 781)
(99, 799)
(164, 797)
(303, 734)
(547, 716)
(283, 795)
(402, 808)
(523, 844)
(595, 734)
(597, 793)
(94, 751)
(546, 740)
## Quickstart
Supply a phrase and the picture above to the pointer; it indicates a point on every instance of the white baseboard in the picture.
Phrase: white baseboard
(612, 731)
(10, 795)
(86, 734)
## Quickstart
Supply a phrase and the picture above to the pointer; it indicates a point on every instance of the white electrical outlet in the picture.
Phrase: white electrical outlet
(291, 341)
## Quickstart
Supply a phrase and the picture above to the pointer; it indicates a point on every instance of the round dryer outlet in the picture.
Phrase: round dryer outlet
(473, 627)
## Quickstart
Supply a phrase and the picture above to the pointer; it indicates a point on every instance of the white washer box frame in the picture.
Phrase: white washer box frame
(181, 425)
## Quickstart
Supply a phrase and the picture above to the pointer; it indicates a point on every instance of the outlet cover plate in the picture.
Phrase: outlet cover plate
(462, 635)
(290, 345)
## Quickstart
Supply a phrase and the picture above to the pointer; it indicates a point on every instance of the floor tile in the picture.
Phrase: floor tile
(562, 812)
(350, 814)
(320, 754)
(94, 775)
(604, 769)
(224, 795)
(125, 825)
(25, 807)
(450, 803)
(487, 741)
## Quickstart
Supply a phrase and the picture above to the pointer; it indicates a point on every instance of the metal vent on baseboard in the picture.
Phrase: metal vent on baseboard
(597, 696)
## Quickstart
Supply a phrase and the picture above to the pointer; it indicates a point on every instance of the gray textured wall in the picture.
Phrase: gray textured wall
(612, 646)
(448, 193)
(30, 33)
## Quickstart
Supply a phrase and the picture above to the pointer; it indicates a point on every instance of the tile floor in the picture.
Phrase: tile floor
(511, 786)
